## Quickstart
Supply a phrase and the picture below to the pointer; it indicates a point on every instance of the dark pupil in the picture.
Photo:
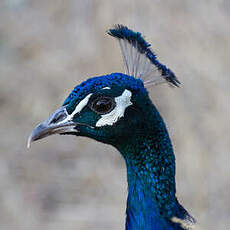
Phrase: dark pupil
(103, 105)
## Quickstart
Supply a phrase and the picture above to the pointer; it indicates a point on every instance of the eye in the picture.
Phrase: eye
(103, 105)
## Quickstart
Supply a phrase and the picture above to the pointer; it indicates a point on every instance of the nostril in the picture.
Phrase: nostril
(58, 117)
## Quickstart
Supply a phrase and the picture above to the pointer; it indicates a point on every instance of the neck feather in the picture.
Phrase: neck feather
(150, 162)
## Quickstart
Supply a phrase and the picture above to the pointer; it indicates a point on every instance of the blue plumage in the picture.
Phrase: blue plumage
(116, 109)
(135, 38)
(119, 80)
(137, 41)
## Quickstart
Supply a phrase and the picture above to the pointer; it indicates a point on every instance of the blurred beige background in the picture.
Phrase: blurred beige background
(64, 182)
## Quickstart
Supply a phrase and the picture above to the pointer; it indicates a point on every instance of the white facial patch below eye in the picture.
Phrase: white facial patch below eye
(122, 102)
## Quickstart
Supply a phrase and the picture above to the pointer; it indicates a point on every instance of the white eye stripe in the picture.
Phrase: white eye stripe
(77, 109)
(81, 105)
(122, 102)
(106, 87)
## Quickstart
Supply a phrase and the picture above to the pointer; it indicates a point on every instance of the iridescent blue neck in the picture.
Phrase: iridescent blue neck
(150, 165)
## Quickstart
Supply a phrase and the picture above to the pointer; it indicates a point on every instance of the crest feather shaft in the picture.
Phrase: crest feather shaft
(139, 60)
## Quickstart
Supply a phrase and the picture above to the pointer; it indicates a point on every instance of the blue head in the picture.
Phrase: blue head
(112, 107)
(108, 108)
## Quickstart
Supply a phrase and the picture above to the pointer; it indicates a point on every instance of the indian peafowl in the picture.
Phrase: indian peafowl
(116, 109)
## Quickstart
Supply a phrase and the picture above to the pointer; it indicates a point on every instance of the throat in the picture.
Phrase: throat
(151, 202)
(151, 198)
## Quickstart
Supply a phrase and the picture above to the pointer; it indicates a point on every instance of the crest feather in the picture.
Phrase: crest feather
(139, 60)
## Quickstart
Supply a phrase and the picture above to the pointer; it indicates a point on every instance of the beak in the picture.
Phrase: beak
(57, 123)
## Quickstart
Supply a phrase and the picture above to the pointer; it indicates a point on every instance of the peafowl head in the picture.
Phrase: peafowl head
(112, 107)
(108, 108)
(116, 109)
